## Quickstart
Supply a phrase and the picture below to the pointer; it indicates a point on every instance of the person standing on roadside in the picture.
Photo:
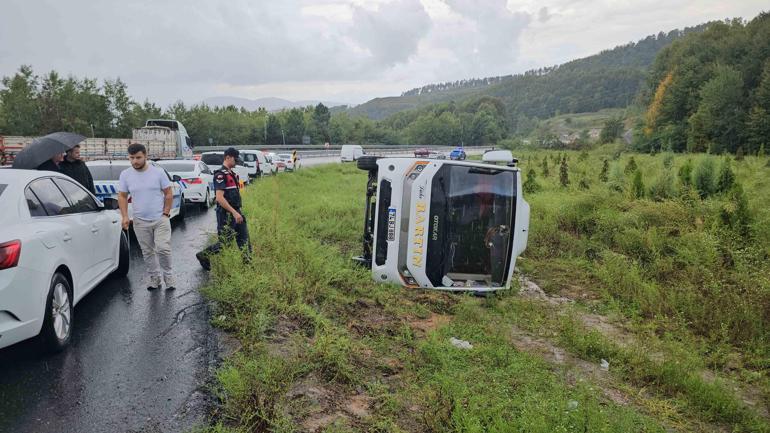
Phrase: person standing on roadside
(230, 219)
(75, 168)
(151, 197)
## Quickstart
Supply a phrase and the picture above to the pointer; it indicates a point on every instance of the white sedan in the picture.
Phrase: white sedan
(106, 176)
(285, 162)
(197, 177)
(57, 242)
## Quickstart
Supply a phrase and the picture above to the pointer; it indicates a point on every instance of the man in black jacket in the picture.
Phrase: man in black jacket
(75, 168)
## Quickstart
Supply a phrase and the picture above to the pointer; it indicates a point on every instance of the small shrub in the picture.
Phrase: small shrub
(703, 179)
(668, 160)
(546, 170)
(735, 213)
(739, 154)
(637, 185)
(564, 173)
(531, 185)
(663, 188)
(761, 152)
(631, 166)
(617, 180)
(726, 177)
(604, 175)
(685, 173)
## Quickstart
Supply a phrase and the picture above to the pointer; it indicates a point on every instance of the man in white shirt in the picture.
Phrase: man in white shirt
(151, 197)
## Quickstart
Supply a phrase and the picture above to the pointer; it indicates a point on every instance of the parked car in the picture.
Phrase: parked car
(57, 243)
(458, 154)
(215, 159)
(256, 162)
(270, 156)
(351, 152)
(106, 176)
(422, 152)
(197, 178)
(284, 162)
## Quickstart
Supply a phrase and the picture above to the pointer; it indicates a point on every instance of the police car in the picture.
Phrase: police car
(106, 176)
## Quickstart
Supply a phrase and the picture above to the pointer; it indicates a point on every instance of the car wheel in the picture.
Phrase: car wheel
(367, 163)
(180, 216)
(206, 201)
(124, 257)
(57, 324)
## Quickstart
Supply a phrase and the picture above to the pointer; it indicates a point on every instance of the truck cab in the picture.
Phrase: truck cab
(441, 224)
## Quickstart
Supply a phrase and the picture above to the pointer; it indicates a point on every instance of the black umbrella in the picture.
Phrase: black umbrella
(44, 148)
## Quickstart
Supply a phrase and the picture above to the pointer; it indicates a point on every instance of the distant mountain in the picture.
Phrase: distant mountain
(609, 79)
(269, 104)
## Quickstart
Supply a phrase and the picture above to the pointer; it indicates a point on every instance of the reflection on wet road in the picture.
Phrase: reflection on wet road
(138, 360)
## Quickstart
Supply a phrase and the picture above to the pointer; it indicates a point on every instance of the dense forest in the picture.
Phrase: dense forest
(710, 91)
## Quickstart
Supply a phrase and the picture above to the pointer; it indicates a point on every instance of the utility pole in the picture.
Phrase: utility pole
(284, 137)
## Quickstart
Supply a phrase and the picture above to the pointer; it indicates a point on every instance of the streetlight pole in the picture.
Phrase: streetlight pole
(284, 137)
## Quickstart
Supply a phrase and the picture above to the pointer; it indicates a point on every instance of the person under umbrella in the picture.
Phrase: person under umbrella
(45, 153)
(75, 168)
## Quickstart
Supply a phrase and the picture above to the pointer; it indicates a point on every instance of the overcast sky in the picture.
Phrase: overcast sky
(339, 50)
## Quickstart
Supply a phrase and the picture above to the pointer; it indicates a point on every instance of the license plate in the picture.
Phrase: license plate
(391, 224)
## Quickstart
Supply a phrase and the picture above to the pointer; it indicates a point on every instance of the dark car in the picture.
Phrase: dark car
(422, 152)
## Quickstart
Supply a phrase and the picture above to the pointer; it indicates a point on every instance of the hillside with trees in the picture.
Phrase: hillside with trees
(710, 91)
(609, 79)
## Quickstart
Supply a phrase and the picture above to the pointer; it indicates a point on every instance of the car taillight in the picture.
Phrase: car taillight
(130, 199)
(9, 254)
(193, 181)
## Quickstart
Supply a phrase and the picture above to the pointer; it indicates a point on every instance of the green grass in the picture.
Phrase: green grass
(307, 317)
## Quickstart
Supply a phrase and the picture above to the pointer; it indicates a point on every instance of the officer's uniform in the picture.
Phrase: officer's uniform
(226, 180)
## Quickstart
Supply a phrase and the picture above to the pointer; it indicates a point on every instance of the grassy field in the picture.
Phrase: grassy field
(643, 308)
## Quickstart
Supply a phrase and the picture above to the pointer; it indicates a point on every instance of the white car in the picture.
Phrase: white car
(285, 162)
(196, 176)
(215, 159)
(57, 242)
(272, 161)
(106, 176)
(256, 162)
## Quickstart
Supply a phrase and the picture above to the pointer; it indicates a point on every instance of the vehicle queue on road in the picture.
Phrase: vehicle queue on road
(59, 239)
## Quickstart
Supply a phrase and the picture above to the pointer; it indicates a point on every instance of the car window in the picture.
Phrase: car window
(2, 188)
(249, 157)
(106, 172)
(205, 168)
(178, 166)
(36, 209)
(213, 158)
(50, 196)
(80, 200)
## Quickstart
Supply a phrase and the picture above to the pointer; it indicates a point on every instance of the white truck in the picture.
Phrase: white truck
(164, 139)
(442, 224)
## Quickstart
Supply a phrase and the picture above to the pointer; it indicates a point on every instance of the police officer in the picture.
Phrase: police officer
(230, 220)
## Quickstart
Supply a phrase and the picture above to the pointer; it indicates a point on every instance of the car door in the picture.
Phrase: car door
(207, 176)
(176, 193)
(70, 232)
(101, 224)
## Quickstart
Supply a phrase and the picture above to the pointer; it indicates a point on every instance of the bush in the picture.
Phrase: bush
(637, 185)
(531, 185)
(564, 172)
(685, 173)
(604, 175)
(631, 166)
(704, 180)
(663, 188)
(726, 176)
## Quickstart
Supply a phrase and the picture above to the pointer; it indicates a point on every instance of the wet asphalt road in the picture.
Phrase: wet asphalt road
(139, 361)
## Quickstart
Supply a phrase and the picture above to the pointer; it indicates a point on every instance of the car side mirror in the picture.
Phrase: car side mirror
(176, 178)
(110, 204)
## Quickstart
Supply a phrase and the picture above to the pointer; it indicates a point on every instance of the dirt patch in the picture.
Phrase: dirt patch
(430, 323)
(609, 330)
(751, 396)
(279, 342)
(314, 405)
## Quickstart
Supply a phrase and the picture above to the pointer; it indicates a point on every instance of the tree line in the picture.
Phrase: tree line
(710, 91)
